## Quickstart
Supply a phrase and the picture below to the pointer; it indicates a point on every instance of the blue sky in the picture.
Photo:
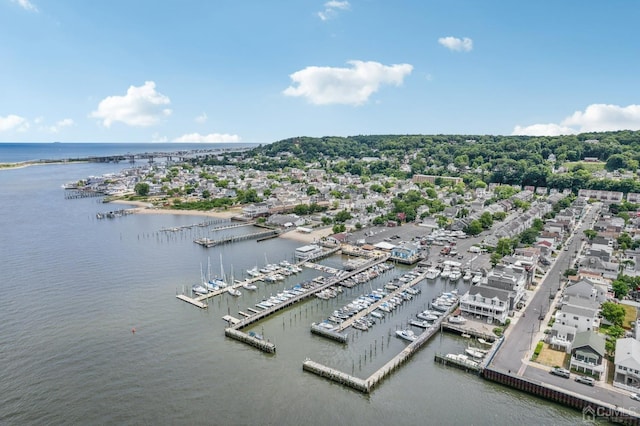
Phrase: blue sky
(261, 71)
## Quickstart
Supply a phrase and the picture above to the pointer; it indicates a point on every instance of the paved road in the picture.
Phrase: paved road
(526, 332)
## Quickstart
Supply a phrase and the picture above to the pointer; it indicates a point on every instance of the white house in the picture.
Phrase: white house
(627, 364)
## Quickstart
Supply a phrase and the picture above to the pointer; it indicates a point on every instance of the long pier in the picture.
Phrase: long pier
(208, 242)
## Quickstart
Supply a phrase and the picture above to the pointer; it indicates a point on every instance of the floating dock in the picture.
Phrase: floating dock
(457, 361)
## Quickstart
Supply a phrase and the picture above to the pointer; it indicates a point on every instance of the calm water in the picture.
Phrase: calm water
(16, 152)
(73, 287)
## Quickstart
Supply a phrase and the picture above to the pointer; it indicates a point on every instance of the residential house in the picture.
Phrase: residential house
(627, 364)
(587, 353)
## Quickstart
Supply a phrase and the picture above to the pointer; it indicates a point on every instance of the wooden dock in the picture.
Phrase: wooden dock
(461, 329)
(194, 302)
(208, 242)
(464, 364)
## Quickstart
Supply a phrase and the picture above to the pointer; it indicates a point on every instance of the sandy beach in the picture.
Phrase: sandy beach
(148, 208)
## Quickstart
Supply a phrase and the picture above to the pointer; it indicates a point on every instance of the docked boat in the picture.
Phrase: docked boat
(446, 272)
(457, 319)
(406, 335)
(425, 316)
(455, 274)
(467, 276)
(253, 272)
(476, 279)
(199, 289)
(421, 324)
(249, 286)
(484, 342)
(432, 273)
(474, 353)
(234, 292)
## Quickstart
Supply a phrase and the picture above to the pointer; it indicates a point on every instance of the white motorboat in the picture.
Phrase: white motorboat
(432, 273)
(421, 324)
(457, 319)
(406, 335)
(427, 316)
(467, 276)
(455, 274)
(474, 353)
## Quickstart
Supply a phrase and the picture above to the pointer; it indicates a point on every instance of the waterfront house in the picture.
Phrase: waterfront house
(490, 304)
(587, 353)
(627, 364)
(407, 253)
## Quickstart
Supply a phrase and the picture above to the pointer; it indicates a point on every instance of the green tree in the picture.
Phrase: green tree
(620, 288)
(615, 332)
(474, 227)
(342, 216)
(613, 312)
(339, 227)
(486, 220)
(590, 234)
(141, 189)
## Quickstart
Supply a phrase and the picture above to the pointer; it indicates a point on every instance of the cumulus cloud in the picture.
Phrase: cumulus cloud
(210, 138)
(141, 106)
(349, 86)
(13, 122)
(27, 5)
(202, 118)
(457, 44)
(595, 118)
(331, 9)
(67, 122)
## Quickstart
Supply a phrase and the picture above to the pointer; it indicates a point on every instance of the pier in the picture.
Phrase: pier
(194, 302)
(208, 242)
(246, 321)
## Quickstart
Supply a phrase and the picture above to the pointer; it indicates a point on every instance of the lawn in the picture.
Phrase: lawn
(551, 357)
(588, 165)
(630, 314)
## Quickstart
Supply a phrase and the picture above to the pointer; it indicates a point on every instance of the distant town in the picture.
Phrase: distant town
(571, 204)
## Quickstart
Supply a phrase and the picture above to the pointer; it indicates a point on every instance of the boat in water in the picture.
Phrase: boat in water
(421, 324)
(234, 292)
(406, 334)
(475, 353)
(249, 286)
(199, 289)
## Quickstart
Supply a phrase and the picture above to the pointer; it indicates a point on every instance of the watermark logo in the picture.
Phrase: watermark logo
(595, 415)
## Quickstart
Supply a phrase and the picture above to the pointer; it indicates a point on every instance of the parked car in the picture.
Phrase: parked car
(586, 380)
(562, 372)
(635, 396)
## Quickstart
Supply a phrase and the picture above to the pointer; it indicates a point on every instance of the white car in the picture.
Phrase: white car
(635, 396)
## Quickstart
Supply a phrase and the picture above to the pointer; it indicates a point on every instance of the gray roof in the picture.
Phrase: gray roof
(489, 292)
(591, 339)
(576, 310)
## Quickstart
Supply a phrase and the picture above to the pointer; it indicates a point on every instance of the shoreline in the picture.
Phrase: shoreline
(143, 207)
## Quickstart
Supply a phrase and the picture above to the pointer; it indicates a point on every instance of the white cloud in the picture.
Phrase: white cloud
(458, 44)
(26, 5)
(13, 121)
(67, 122)
(595, 118)
(141, 106)
(210, 138)
(157, 138)
(331, 9)
(202, 118)
(350, 86)
(549, 129)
